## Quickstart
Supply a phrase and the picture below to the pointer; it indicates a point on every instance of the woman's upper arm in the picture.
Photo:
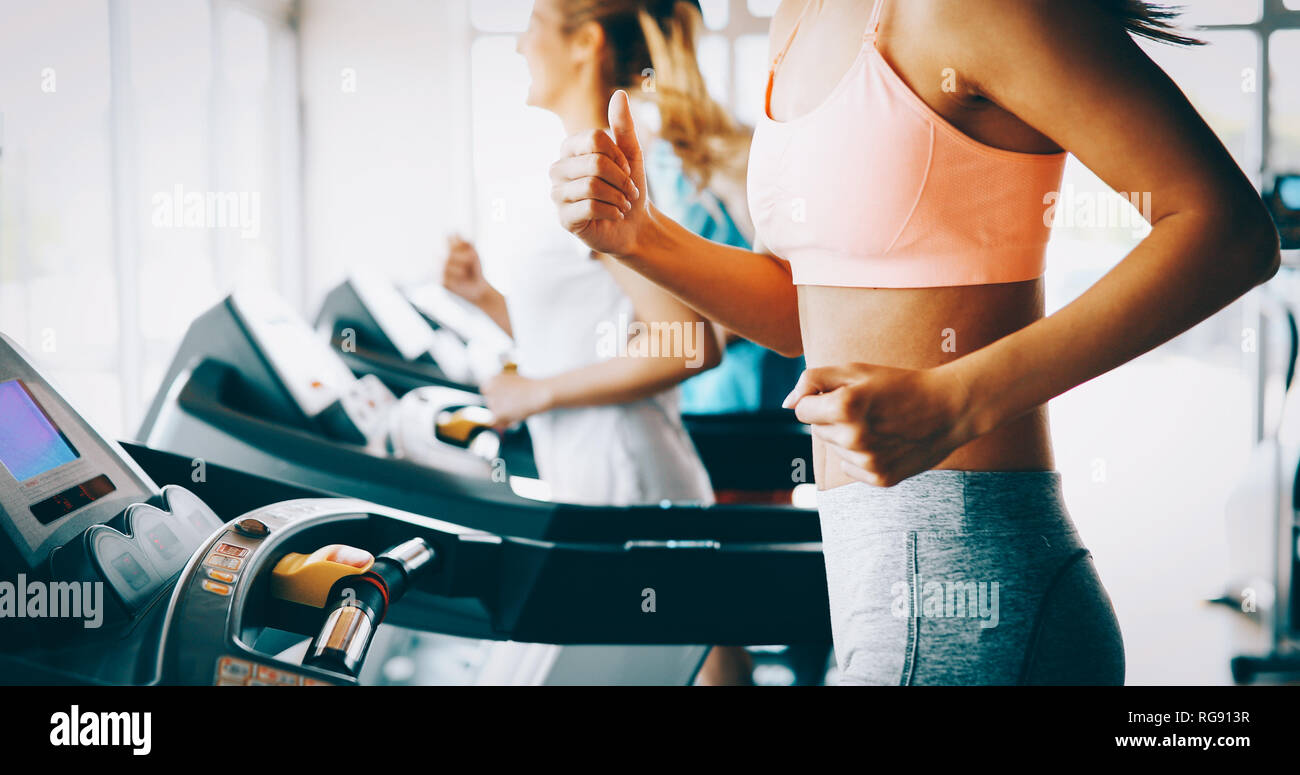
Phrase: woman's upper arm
(1076, 76)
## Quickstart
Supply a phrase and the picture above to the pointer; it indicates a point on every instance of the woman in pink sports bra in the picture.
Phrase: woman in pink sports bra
(899, 178)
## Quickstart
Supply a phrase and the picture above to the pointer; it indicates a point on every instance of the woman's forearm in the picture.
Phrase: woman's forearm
(619, 380)
(1186, 269)
(746, 292)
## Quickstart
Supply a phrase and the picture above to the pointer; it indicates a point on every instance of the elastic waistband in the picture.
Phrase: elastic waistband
(949, 499)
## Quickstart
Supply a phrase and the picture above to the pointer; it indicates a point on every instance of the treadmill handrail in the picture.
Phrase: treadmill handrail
(200, 398)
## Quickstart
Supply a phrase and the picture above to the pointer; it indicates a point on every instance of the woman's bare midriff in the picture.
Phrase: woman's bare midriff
(919, 328)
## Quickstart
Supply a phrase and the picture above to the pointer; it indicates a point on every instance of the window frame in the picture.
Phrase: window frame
(1274, 17)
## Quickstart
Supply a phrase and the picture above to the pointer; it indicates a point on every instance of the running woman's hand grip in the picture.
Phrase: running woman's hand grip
(462, 271)
(357, 604)
(599, 183)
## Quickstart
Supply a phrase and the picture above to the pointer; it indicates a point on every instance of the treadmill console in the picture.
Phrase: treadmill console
(403, 327)
(252, 356)
(432, 326)
(74, 507)
(345, 407)
(58, 475)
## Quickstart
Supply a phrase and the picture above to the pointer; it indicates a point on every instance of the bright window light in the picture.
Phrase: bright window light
(716, 13)
(1198, 12)
(500, 15)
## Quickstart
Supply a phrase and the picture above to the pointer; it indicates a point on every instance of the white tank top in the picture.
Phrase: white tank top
(565, 308)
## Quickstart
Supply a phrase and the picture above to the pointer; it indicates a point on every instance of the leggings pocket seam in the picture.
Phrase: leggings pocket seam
(913, 623)
(1035, 634)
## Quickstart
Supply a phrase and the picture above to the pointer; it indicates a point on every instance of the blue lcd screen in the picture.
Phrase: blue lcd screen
(30, 445)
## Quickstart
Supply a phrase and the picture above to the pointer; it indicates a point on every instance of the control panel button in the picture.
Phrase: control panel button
(230, 550)
(253, 528)
(219, 561)
(221, 575)
(216, 588)
(270, 676)
(232, 669)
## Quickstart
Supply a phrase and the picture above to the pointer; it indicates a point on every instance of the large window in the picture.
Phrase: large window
(147, 165)
(57, 275)
(386, 162)
(1284, 51)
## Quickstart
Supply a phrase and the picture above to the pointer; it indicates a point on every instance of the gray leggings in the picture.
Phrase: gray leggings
(965, 577)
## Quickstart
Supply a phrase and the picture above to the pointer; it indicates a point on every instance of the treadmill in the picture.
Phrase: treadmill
(163, 576)
(435, 338)
(442, 340)
(254, 388)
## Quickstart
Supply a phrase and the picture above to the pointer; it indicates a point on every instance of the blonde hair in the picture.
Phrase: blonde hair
(651, 52)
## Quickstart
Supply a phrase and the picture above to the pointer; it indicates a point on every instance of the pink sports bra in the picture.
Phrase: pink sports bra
(874, 189)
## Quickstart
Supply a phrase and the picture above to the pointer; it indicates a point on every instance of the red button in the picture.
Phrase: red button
(253, 528)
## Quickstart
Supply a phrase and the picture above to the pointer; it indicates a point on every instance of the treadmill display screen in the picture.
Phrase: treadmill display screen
(30, 445)
(64, 503)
